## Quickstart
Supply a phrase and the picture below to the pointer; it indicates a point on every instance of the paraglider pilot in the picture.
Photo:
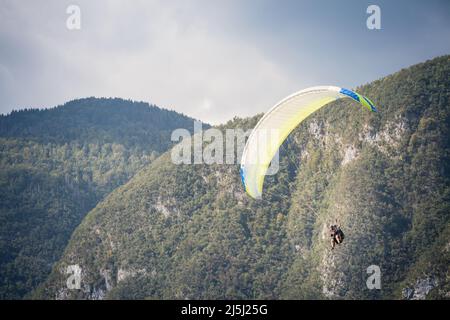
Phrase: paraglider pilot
(336, 234)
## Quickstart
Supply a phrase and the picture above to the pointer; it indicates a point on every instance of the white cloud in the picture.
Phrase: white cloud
(208, 59)
(163, 54)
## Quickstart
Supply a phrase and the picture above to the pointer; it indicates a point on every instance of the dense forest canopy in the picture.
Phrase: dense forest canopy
(92, 120)
(57, 164)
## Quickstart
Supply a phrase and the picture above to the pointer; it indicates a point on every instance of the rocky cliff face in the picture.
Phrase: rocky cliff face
(189, 231)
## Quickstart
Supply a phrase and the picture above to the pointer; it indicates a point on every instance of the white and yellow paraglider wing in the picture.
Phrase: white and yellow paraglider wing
(274, 127)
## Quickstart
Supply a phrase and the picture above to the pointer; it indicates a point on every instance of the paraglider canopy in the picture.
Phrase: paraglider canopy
(278, 123)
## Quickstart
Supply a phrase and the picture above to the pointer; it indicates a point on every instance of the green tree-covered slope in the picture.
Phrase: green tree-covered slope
(56, 164)
(189, 231)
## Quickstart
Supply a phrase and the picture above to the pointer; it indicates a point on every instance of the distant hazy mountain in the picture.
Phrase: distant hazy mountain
(189, 231)
(56, 164)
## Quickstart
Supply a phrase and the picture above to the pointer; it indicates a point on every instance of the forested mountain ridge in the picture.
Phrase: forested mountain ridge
(190, 231)
(56, 164)
(97, 120)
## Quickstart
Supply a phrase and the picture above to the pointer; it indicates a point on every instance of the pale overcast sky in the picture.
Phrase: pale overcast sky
(208, 59)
